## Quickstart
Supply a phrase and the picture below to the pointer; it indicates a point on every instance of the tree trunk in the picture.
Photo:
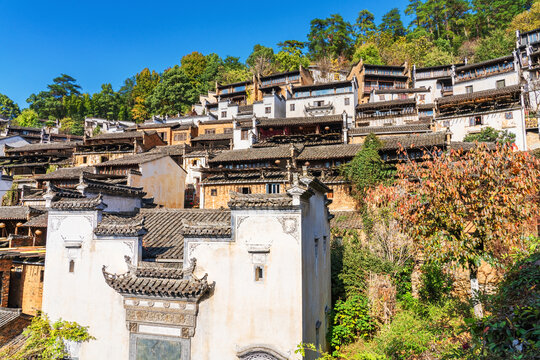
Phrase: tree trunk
(475, 291)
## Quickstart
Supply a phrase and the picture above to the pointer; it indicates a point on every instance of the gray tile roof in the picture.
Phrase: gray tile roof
(213, 137)
(165, 236)
(118, 225)
(103, 187)
(306, 120)
(66, 173)
(79, 204)
(39, 221)
(64, 145)
(457, 99)
(8, 315)
(329, 152)
(135, 159)
(413, 141)
(15, 212)
(507, 58)
(345, 220)
(262, 201)
(394, 129)
(268, 153)
(162, 283)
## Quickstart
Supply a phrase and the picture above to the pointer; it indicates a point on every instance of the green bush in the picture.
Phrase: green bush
(435, 283)
(351, 321)
(512, 330)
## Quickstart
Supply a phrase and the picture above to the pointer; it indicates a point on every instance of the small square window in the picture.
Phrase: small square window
(422, 97)
(223, 114)
(41, 275)
(347, 101)
(330, 194)
(500, 84)
(245, 134)
(509, 115)
(381, 97)
(210, 131)
(469, 89)
(259, 273)
(71, 266)
(213, 192)
(244, 190)
(292, 107)
(268, 110)
(227, 130)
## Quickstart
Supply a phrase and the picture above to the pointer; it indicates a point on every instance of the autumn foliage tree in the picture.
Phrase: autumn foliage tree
(467, 207)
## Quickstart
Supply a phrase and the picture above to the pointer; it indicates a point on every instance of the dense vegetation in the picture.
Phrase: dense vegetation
(441, 32)
(426, 227)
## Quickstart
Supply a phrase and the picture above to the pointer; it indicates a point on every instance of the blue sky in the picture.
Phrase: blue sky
(107, 41)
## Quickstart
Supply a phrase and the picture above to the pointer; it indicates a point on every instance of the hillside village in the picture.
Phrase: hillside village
(186, 228)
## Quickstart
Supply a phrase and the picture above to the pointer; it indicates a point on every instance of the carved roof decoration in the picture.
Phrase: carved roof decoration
(116, 225)
(159, 281)
(205, 229)
(80, 204)
(263, 201)
(94, 186)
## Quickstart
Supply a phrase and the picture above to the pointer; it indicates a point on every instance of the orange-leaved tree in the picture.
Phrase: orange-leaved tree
(467, 207)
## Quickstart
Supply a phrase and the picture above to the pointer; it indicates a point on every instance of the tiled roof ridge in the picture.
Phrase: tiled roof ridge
(146, 282)
(127, 228)
(105, 187)
(475, 95)
(205, 229)
(265, 201)
(95, 203)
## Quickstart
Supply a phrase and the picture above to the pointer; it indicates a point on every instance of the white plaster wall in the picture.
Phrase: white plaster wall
(316, 284)
(276, 104)
(231, 109)
(121, 203)
(487, 83)
(83, 296)
(459, 126)
(242, 312)
(338, 100)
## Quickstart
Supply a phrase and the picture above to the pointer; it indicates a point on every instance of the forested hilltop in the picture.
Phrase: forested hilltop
(441, 32)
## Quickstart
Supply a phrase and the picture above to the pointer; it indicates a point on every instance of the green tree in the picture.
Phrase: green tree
(47, 341)
(365, 25)
(392, 24)
(145, 82)
(170, 96)
(491, 15)
(527, 20)
(50, 104)
(489, 134)
(28, 118)
(260, 51)
(498, 43)
(8, 108)
(106, 103)
(366, 170)
(330, 37)
(369, 53)
(291, 56)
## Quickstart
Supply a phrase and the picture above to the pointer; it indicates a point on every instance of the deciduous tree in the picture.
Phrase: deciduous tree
(468, 207)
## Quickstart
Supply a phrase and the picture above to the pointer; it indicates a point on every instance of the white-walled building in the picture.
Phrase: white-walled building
(191, 284)
(501, 109)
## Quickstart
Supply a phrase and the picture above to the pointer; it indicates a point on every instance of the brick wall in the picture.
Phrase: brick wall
(5, 270)
(27, 289)
(341, 197)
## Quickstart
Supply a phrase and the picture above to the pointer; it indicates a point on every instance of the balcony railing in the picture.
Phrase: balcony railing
(531, 123)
